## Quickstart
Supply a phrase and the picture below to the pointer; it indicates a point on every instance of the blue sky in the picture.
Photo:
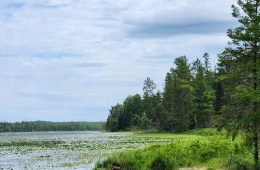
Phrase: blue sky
(70, 60)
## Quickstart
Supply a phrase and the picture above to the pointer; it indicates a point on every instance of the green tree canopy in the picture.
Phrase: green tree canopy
(240, 64)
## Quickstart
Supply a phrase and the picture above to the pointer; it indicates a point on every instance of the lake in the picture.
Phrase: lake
(66, 150)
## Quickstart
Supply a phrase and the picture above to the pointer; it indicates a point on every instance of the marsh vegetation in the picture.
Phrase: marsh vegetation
(87, 150)
(66, 150)
(199, 149)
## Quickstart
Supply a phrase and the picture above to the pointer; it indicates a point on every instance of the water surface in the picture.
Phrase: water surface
(65, 150)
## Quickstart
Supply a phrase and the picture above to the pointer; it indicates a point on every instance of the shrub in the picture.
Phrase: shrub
(213, 152)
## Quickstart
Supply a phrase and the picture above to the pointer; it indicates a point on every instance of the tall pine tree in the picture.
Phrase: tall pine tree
(241, 78)
(203, 94)
(182, 93)
(167, 107)
(148, 98)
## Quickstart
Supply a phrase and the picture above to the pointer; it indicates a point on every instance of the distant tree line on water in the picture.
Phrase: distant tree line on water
(31, 126)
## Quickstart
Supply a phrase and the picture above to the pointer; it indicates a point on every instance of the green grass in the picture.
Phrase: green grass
(208, 149)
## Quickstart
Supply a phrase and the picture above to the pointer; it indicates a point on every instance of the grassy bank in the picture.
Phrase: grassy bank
(207, 149)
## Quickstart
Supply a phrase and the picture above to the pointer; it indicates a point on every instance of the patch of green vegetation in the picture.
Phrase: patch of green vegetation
(32, 143)
(69, 164)
(172, 137)
(203, 148)
(205, 132)
(43, 157)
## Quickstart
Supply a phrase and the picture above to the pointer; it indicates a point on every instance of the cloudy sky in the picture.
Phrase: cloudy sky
(70, 60)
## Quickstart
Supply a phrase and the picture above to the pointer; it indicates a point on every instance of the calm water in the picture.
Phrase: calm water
(64, 150)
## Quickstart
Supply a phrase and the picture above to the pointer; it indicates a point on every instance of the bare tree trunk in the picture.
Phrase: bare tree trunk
(256, 157)
(255, 72)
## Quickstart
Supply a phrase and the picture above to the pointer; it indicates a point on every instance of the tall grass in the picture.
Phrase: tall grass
(206, 149)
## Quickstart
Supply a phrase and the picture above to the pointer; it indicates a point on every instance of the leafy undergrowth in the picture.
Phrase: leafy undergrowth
(203, 149)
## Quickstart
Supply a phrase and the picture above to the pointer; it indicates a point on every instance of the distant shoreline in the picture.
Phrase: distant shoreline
(37, 126)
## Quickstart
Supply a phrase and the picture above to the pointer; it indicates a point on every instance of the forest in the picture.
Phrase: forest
(33, 126)
(191, 99)
(198, 95)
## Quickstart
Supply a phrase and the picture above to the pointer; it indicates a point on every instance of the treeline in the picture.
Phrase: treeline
(191, 98)
(31, 126)
(195, 96)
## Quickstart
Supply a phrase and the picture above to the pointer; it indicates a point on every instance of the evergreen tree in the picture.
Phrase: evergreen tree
(182, 93)
(241, 65)
(148, 99)
(132, 107)
(167, 108)
(219, 92)
(168, 100)
(203, 95)
(161, 118)
(113, 123)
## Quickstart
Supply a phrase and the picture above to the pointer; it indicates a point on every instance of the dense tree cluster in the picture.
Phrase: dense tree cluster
(186, 102)
(195, 96)
(50, 126)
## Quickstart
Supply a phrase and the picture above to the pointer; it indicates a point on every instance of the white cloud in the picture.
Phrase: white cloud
(77, 58)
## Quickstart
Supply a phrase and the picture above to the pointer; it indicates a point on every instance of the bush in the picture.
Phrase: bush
(213, 152)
